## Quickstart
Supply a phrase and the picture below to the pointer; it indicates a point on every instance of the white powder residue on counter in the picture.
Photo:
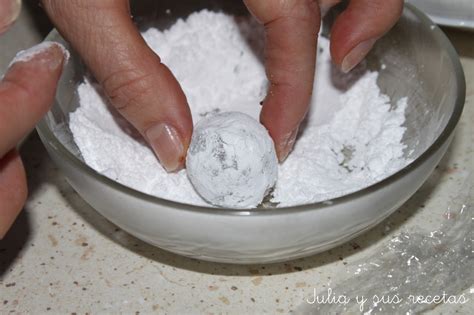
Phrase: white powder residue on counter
(350, 139)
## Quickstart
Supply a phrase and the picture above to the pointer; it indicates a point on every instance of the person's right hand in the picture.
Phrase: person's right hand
(147, 94)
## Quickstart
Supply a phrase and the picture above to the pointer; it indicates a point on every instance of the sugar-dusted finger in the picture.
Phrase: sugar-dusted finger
(27, 90)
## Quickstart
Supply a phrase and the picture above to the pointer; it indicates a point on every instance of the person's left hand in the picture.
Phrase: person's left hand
(26, 92)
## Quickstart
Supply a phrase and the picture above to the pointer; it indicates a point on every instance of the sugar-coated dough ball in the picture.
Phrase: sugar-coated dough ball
(231, 160)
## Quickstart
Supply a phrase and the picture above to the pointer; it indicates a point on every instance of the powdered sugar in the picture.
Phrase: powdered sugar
(28, 54)
(211, 57)
(350, 139)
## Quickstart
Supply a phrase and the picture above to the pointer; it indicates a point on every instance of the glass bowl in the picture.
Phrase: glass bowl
(419, 62)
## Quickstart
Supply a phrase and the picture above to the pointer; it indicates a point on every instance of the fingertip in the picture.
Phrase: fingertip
(151, 99)
(284, 147)
(359, 26)
(49, 55)
(283, 135)
(357, 54)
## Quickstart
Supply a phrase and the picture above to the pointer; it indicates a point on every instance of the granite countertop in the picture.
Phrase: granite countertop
(63, 257)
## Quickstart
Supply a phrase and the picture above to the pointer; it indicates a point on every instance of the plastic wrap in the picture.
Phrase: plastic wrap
(414, 272)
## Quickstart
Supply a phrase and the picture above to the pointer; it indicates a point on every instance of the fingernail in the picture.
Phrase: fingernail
(50, 54)
(166, 143)
(9, 13)
(287, 146)
(356, 55)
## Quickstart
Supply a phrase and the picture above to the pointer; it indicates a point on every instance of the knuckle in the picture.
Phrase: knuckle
(302, 10)
(271, 11)
(17, 88)
(384, 7)
(303, 7)
(125, 88)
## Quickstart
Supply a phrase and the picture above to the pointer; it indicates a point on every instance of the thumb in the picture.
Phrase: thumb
(139, 86)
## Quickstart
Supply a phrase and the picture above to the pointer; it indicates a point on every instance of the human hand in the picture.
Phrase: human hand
(147, 94)
(26, 92)
(292, 28)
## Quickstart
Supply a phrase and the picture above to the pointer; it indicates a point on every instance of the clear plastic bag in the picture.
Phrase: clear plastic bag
(415, 272)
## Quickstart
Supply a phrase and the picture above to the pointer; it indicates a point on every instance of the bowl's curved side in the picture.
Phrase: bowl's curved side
(246, 239)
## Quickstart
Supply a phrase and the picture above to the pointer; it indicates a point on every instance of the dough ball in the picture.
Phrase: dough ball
(231, 160)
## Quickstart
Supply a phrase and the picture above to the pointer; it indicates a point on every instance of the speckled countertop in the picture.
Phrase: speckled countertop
(63, 257)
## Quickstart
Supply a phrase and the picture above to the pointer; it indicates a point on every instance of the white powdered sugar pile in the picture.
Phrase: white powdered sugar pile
(351, 139)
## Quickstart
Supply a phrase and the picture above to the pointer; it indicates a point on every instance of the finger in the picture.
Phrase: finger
(356, 30)
(13, 190)
(27, 91)
(291, 37)
(9, 12)
(143, 90)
